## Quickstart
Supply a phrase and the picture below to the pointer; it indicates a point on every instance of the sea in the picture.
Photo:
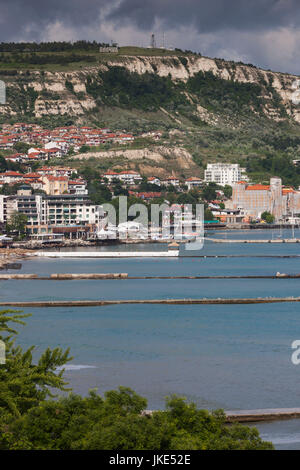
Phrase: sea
(234, 357)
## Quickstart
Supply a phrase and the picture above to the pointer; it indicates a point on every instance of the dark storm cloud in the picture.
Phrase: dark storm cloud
(209, 15)
(264, 32)
(27, 19)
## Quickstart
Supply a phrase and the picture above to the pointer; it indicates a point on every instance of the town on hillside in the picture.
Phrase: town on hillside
(44, 199)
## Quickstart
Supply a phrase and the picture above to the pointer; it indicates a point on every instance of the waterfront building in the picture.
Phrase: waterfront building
(44, 213)
(259, 198)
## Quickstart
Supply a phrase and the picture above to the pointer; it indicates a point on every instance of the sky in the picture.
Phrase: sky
(262, 32)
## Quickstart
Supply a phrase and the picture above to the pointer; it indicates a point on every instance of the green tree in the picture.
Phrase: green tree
(208, 215)
(22, 147)
(209, 192)
(116, 422)
(267, 217)
(24, 384)
(31, 419)
(3, 164)
(84, 149)
(227, 190)
(17, 223)
(8, 189)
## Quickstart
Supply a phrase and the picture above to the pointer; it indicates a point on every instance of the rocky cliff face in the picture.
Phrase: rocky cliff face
(162, 161)
(46, 93)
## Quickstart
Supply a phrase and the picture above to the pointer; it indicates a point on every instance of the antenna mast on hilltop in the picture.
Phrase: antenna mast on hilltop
(153, 42)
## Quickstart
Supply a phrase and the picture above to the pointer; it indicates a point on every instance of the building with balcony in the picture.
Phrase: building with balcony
(223, 173)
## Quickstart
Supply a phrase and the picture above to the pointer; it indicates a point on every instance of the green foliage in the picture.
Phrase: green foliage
(119, 190)
(30, 420)
(8, 189)
(84, 149)
(227, 190)
(54, 46)
(17, 223)
(21, 98)
(43, 59)
(22, 147)
(24, 384)
(274, 165)
(3, 164)
(208, 215)
(119, 87)
(269, 218)
(116, 422)
(217, 93)
(69, 86)
(99, 193)
(209, 192)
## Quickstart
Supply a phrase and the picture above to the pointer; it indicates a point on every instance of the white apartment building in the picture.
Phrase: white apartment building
(61, 210)
(224, 173)
(3, 208)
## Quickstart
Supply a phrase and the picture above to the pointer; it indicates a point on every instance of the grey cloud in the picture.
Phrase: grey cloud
(264, 32)
(28, 19)
(209, 16)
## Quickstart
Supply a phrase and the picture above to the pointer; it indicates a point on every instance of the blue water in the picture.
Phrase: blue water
(220, 356)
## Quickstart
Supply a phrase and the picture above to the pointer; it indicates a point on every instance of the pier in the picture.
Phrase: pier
(279, 240)
(108, 254)
(102, 303)
(254, 416)
(125, 276)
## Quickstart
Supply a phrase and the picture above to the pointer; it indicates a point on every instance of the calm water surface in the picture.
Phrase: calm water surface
(226, 356)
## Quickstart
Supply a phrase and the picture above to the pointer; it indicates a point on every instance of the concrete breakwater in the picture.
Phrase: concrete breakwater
(100, 303)
(255, 416)
(281, 240)
(67, 276)
(108, 254)
(63, 277)
(124, 276)
(274, 414)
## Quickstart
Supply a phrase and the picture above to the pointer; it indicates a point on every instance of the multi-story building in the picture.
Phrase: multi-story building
(171, 180)
(273, 198)
(193, 182)
(3, 208)
(73, 209)
(78, 186)
(223, 173)
(34, 206)
(154, 180)
(46, 212)
(130, 177)
(53, 185)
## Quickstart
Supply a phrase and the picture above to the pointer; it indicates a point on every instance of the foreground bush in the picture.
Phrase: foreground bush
(29, 419)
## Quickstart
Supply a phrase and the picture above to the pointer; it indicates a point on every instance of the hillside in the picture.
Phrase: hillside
(214, 109)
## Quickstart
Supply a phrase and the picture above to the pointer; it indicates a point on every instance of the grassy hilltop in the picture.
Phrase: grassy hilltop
(214, 109)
